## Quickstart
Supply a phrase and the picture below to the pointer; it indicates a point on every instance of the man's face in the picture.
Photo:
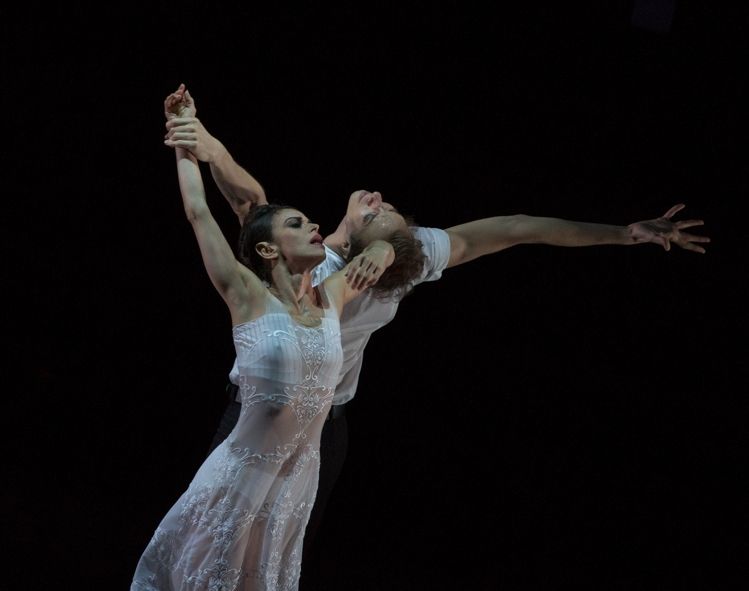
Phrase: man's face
(369, 218)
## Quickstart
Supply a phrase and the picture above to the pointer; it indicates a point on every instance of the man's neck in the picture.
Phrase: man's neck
(338, 242)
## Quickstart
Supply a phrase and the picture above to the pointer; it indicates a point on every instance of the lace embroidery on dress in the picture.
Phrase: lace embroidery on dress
(240, 523)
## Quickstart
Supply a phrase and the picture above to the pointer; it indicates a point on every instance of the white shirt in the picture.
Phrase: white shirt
(365, 314)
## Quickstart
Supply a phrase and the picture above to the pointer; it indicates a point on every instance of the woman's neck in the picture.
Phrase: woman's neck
(292, 288)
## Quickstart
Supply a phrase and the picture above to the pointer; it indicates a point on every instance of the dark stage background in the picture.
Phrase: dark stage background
(537, 419)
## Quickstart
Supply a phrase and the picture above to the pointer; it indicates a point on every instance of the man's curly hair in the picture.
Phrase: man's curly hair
(398, 279)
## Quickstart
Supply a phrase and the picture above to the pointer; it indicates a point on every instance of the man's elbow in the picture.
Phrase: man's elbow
(260, 198)
(242, 209)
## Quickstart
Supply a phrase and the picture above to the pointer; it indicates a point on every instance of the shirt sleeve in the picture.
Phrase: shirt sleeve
(436, 246)
(332, 263)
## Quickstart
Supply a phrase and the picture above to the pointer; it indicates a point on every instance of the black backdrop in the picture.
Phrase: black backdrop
(537, 419)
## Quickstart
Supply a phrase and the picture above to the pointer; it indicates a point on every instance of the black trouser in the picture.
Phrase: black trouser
(333, 448)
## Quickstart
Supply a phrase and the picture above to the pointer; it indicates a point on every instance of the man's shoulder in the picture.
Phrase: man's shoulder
(435, 243)
(333, 262)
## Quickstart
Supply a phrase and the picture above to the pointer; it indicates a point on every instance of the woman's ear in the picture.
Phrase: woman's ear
(267, 250)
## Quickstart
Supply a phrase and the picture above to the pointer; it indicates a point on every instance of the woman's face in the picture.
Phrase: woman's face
(297, 239)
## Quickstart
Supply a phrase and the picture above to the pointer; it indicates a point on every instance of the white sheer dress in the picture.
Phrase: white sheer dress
(240, 524)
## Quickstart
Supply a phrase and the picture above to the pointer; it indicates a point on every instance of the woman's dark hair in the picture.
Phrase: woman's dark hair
(408, 265)
(257, 227)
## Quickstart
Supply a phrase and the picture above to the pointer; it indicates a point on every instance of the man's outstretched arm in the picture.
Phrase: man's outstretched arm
(239, 187)
(478, 238)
